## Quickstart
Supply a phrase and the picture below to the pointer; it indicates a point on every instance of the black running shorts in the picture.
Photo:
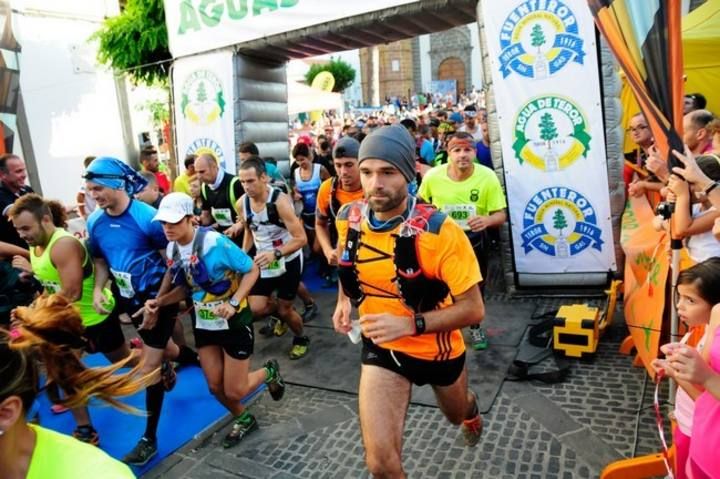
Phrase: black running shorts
(160, 334)
(417, 371)
(285, 285)
(237, 342)
(107, 336)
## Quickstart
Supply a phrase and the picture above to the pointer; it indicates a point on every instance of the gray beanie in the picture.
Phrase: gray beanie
(346, 147)
(393, 144)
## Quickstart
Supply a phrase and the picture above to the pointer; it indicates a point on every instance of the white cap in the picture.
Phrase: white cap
(174, 207)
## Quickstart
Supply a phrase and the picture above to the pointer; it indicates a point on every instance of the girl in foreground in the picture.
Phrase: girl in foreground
(48, 334)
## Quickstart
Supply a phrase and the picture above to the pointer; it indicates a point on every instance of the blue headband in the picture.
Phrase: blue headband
(114, 174)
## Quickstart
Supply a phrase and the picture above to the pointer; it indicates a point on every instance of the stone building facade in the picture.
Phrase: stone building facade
(396, 70)
(449, 55)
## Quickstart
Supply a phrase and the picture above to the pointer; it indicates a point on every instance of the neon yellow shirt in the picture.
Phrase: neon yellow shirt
(58, 456)
(478, 195)
(182, 184)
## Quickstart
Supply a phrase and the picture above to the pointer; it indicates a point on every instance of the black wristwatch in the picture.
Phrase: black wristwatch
(278, 254)
(234, 303)
(419, 324)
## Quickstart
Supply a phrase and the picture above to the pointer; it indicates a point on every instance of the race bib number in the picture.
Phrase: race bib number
(51, 287)
(124, 283)
(460, 214)
(205, 317)
(222, 216)
(274, 269)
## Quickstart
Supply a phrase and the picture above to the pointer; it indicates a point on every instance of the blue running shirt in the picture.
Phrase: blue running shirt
(129, 243)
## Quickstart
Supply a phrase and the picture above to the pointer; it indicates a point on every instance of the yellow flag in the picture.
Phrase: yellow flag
(324, 81)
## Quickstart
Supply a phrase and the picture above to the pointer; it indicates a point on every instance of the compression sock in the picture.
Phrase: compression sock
(154, 396)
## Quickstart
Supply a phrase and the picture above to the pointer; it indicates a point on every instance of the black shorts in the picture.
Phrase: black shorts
(480, 245)
(237, 342)
(285, 285)
(107, 336)
(158, 336)
(417, 371)
(308, 220)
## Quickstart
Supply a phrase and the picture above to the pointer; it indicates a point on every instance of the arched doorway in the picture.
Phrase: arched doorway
(453, 69)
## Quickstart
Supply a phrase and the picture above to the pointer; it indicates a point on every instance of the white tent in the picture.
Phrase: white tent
(302, 98)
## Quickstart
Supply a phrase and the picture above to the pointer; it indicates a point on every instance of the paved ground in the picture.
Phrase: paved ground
(600, 414)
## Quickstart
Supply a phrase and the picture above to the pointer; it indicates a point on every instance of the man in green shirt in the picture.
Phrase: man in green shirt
(471, 195)
(62, 265)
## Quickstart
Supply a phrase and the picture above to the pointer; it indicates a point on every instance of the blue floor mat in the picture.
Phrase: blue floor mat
(187, 410)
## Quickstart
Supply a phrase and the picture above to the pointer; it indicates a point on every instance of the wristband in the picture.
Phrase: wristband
(712, 186)
(419, 321)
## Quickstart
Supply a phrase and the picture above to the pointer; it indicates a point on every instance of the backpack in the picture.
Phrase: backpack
(272, 211)
(419, 292)
(231, 192)
(197, 272)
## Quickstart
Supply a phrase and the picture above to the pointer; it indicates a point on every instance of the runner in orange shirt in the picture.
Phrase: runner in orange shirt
(333, 194)
(412, 273)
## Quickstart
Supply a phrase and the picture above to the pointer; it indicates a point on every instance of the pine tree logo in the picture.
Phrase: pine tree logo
(533, 30)
(202, 100)
(550, 133)
(559, 221)
(537, 37)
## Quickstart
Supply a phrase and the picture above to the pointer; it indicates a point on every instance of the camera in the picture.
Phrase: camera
(665, 210)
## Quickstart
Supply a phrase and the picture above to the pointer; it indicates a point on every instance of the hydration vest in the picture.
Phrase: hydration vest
(196, 272)
(418, 291)
(272, 211)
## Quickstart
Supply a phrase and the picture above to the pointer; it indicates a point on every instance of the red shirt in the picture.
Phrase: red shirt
(163, 182)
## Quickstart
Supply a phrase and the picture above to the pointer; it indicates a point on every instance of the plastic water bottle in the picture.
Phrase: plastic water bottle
(355, 334)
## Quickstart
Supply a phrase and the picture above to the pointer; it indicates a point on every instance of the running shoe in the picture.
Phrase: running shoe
(472, 430)
(242, 426)
(141, 453)
(280, 328)
(276, 384)
(86, 434)
(300, 347)
(310, 311)
(478, 339)
(269, 326)
(168, 375)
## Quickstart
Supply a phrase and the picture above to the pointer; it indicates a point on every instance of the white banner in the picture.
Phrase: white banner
(547, 89)
(203, 93)
(201, 25)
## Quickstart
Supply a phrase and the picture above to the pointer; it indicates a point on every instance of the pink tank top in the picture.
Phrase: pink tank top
(684, 404)
(705, 442)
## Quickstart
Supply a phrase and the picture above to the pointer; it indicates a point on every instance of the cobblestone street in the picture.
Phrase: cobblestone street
(567, 430)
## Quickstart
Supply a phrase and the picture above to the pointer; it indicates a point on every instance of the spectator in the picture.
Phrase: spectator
(85, 203)
(697, 135)
(12, 186)
(150, 162)
(182, 182)
(694, 101)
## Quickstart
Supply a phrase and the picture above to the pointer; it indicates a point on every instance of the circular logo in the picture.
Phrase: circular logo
(550, 133)
(206, 145)
(561, 223)
(202, 98)
(538, 39)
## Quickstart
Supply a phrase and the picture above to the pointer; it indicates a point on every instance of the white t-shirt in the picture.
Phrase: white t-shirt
(477, 134)
(704, 245)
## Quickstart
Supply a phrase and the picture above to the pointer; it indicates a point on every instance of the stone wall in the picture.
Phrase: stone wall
(392, 83)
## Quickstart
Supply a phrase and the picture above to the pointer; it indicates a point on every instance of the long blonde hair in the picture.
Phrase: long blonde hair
(50, 333)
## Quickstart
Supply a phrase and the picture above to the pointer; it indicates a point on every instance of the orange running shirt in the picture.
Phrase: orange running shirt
(324, 202)
(446, 255)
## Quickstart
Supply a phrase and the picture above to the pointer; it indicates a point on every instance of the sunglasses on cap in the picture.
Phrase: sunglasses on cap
(470, 114)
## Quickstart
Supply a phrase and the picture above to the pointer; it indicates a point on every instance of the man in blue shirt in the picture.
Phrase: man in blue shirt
(127, 244)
